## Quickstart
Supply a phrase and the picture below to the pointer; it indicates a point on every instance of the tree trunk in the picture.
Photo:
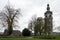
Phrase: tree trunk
(10, 30)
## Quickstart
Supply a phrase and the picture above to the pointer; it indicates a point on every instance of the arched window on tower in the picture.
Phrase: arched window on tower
(46, 16)
(50, 16)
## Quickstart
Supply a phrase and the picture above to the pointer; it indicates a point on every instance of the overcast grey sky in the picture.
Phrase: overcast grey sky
(34, 7)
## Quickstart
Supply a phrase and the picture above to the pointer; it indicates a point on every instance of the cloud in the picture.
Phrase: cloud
(31, 7)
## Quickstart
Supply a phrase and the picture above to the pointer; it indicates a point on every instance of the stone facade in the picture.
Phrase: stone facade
(48, 21)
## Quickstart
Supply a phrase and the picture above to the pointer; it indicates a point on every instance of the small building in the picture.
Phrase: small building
(15, 33)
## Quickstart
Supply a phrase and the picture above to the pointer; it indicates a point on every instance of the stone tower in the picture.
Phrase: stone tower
(48, 21)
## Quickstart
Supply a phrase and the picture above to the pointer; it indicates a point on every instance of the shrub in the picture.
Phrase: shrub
(26, 32)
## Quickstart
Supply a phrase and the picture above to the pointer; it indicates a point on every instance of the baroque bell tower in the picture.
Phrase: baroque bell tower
(48, 21)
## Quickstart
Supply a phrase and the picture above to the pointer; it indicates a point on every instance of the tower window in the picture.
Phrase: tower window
(50, 16)
(45, 16)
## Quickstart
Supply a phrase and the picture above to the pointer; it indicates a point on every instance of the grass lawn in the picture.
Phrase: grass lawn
(19, 39)
(27, 38)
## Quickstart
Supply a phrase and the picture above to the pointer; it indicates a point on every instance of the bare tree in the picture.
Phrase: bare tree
(32, 23)
(36, 25)
(9, 18)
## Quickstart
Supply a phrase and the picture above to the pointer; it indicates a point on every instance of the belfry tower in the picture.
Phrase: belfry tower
(48, 21)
